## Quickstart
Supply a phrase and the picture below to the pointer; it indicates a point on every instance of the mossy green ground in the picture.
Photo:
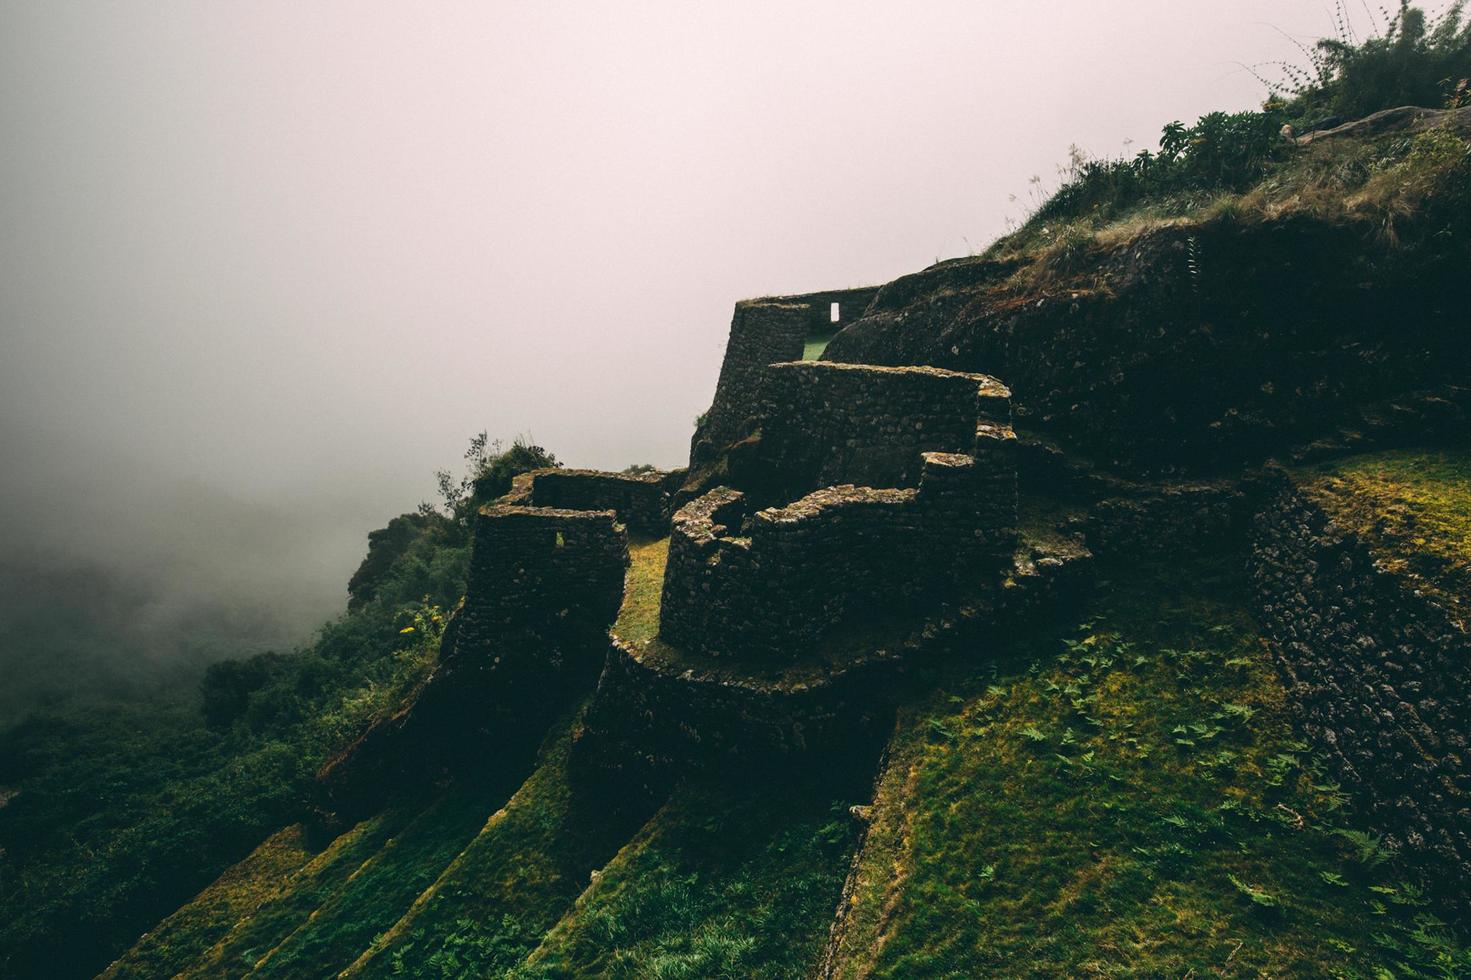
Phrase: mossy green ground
(310, 889)
(378, 892)
(236, 896)
(734, 877)
(1124, 798)
(638, 618)
(497, 898)
(1413, 508)
(1127, 800)
(737, 875)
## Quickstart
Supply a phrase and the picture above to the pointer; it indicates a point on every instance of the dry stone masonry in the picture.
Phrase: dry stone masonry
(764, 332)
(643, 501)
(824, 424)
(1379, 681)
(775, 583)
(544, 586)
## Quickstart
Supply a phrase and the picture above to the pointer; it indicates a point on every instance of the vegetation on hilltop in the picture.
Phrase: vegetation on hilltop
(1210, 166)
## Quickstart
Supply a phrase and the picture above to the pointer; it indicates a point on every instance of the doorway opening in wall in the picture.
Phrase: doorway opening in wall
(834, 313)
(816, 344)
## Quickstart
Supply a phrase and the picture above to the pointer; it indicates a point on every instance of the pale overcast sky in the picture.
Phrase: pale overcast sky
(289, 256)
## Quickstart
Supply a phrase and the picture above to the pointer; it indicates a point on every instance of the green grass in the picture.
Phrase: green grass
(815, 345)
(310, 889)
(236, 895)
(1413, 508)
(638, 618)
(734, 878)
(379, 891)
(1133, 803)
(493, 904)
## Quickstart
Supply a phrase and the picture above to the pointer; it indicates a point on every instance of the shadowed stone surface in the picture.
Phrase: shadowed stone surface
(1380, 680)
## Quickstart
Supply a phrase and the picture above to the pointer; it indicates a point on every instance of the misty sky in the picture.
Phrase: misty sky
(265, 266)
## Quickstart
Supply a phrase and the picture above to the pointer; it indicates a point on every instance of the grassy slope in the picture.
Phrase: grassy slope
(493, 903)
(236, 895)
(1132, 805)
(379, 891)
(734, 878)
(1382, 184)
(1413, 507)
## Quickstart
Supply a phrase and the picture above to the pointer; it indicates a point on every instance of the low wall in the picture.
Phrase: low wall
(1379, 680)
(1166, 520)
(763, 332)
(644, 502)
(823, 424)
(775, 582)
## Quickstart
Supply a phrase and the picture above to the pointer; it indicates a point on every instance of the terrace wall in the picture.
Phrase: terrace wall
(764, 332)
(544, 586)
(1379, 680)
(824, 424)
(774, 583)
(644, 502)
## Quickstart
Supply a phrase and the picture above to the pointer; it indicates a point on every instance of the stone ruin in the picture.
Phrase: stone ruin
(764, 332)
(840, 526)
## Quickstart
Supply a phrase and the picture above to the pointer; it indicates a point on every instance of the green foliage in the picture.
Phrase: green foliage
(1413, 60)
(733, 878)
(127, 808)
(490, 468)
(1222, 151)
(1132, 802)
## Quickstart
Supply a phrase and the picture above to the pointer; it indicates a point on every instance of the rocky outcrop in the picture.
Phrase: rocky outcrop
(1404, 119)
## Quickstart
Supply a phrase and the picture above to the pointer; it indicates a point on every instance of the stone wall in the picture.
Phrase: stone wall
(1379, 680)
(652, 720)
(541, 570)
(764, 332)
(824, 424)
(1164, 520)
(644, 502)
(531, 635)
(776, 582)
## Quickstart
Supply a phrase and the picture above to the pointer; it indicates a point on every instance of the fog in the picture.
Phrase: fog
(265, 266)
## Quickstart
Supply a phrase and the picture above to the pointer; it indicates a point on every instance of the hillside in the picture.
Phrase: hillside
(1094, 606)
